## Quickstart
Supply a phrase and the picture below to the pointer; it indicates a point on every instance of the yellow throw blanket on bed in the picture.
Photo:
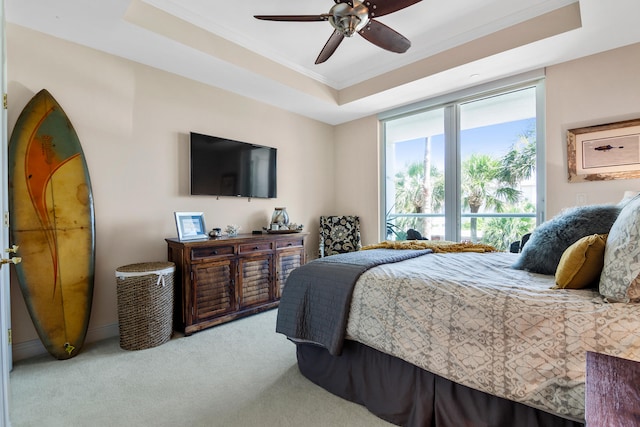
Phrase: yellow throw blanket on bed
(439, 246)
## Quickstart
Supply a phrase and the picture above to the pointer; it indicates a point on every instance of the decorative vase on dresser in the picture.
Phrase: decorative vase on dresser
(280, 216)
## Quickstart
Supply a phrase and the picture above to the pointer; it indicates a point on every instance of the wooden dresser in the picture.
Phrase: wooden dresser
(222, 279)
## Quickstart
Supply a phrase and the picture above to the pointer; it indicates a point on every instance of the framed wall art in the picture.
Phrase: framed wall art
(191, 225)
(604, 152)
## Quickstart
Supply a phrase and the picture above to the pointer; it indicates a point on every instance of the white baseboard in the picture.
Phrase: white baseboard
(27, 349)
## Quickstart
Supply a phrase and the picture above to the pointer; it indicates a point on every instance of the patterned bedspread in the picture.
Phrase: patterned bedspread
(472, 319)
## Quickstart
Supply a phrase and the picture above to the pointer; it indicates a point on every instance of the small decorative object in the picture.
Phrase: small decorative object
(274, 227)
(280, 216)
(232, 230)
(216, 232)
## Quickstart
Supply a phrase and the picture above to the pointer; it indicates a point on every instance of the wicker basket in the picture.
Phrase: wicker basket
(145, 304)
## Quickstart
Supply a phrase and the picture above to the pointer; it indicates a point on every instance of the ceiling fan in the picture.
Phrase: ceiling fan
(351, 16)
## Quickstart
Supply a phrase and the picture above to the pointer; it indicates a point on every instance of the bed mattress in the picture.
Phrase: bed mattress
(472, 319)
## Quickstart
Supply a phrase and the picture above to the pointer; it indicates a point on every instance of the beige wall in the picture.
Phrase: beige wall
(591, 91)
(133, 122)
(356, 169)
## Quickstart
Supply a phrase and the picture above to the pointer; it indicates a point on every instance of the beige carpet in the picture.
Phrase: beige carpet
(237, 374)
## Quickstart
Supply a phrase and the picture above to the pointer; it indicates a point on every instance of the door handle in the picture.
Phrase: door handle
(13, 260)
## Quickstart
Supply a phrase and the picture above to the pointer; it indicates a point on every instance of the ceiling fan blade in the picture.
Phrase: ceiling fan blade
(385, 7)
(384, 37)
(292, 18)
(330, 47)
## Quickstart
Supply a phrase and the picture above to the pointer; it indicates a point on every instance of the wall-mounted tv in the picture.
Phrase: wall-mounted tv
(224, 167)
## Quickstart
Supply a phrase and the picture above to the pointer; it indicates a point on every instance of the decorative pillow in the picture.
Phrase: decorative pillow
(581, 264)
(620, 279)
(550, 239)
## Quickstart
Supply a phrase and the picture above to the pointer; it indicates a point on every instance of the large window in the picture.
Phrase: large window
(465, 169)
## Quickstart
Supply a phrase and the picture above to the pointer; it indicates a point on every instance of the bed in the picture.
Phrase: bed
(435, 338)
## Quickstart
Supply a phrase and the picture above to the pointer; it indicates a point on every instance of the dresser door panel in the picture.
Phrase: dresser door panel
(214, 289)
(255, 280)
(288, 260)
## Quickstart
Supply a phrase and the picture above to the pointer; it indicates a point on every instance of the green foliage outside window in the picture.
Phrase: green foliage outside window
(488, 184)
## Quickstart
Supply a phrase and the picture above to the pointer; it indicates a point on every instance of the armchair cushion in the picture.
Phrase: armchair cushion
(339, 234)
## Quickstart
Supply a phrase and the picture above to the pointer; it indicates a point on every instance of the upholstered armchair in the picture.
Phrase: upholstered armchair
(339, 234)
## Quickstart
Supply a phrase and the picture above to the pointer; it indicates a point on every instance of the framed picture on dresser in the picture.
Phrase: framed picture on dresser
(191, 225)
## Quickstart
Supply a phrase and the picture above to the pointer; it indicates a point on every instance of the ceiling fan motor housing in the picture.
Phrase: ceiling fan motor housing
(349, 20)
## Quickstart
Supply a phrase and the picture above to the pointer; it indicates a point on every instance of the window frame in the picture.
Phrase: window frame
(451, 105)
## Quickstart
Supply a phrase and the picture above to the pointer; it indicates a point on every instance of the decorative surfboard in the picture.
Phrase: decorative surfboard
(51, 221)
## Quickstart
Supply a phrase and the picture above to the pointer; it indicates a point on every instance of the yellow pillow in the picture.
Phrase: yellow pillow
(581, 263)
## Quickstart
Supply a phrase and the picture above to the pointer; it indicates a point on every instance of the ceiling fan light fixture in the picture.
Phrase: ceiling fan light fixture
(349, 20)
(346, 25)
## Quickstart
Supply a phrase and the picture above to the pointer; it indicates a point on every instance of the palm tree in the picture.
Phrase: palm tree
(410, 191)
(482, 186)
(519, 163)
(437, 190)
(487, 183)
(503, 177)
(413, 197)
(501, 232)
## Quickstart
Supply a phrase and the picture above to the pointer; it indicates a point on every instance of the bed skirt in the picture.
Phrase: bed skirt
(406, 395)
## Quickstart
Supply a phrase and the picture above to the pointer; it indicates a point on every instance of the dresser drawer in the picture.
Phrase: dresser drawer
(256, 247)
(290, 243)
(210, 252)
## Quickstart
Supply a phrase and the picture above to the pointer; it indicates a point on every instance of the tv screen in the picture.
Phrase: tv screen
(224, 167)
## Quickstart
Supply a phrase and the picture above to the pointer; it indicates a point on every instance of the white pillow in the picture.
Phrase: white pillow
(620, 278)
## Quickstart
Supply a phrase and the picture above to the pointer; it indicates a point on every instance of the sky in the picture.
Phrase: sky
(494, 139)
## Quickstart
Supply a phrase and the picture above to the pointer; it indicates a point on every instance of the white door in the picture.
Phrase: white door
(5, 311)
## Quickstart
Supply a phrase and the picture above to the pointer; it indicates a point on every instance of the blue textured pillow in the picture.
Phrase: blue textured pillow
(548, 242)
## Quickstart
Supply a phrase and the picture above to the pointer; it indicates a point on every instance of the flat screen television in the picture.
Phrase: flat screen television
(224, 167)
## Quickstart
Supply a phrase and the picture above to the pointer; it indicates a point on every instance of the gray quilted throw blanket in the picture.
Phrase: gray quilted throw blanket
(315, 302)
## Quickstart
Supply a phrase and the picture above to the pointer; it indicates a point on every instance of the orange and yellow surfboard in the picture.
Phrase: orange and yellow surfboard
(51, 219)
